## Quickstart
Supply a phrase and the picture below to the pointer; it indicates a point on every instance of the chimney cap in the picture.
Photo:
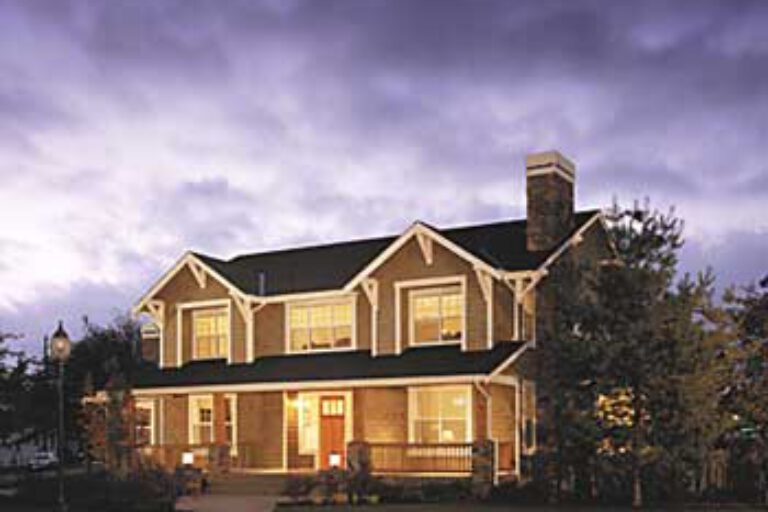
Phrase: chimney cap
(549, 160)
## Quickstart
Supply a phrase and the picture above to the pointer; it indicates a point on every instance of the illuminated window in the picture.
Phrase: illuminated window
(440, 414)
(210, 333)
(437, 315)
(308, 423)
(230, 421)
(320, 327)
(145, 420)
(201, 419)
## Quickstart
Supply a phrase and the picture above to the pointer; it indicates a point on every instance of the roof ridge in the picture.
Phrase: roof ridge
(381, 238)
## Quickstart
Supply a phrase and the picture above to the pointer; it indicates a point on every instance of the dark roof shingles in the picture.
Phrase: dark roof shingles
(353, 365)
(501, 245)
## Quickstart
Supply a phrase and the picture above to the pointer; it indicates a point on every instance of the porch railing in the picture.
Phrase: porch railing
(421, 458)
(170, 455)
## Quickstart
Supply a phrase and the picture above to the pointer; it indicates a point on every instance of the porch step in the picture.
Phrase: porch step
(248, 483)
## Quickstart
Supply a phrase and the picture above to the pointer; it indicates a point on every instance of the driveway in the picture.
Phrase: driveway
(228, 503)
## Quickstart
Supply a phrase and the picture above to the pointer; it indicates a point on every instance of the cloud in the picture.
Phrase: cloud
(131, 132)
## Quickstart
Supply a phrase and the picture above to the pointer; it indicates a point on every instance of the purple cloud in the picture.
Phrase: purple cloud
(130, 132)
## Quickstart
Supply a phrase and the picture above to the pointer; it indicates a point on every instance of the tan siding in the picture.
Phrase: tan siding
(176, 420)
(363, 321)
(270, 330)
(502, 413)
(238, 335)
(260, 428)
(381, 414)
(503, 329)
(407, 264)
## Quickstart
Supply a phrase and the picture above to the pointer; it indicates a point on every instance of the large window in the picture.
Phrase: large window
(210, 333)
(201, 419)
(145, 422)
(320, 326)
(437, 315)
(440, 414)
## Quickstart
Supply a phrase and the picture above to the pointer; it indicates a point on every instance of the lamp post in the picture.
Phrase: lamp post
(60, 349)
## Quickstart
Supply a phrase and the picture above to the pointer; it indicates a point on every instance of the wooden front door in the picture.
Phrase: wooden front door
(332, 448)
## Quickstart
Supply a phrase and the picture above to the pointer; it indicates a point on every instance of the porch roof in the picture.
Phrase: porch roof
(439, 361)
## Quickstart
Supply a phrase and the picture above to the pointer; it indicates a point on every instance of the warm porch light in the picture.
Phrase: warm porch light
(187, 458)
(334, 460)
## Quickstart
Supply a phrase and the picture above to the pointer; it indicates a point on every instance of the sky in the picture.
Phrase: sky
(132, 131)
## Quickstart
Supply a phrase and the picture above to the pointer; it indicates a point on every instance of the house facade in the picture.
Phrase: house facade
(416, 345)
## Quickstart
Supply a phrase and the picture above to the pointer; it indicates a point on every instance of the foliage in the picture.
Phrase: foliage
(144, 491)
(632, 364)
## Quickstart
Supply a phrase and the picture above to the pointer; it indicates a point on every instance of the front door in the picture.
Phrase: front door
(332, 449)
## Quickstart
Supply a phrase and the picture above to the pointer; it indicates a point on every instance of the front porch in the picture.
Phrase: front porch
(419, 430)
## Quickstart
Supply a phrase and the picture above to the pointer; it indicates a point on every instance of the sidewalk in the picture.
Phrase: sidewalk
(229, 503)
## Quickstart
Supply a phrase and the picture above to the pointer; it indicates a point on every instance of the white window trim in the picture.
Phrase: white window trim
(350, 298)
(460, 280)
(422, 292)
(203, 304)
(190, 423)
(470, 420)
(232, 397)
(198, 312)
(150, 404)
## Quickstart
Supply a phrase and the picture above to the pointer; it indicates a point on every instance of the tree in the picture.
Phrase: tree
(566, 371)
(746, 323)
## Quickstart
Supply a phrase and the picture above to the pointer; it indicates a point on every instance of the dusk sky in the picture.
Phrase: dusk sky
(132, 131)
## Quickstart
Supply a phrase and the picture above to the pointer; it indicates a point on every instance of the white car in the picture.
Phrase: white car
(43, 460)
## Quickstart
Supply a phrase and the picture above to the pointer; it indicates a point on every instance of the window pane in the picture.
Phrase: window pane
(299, 317)
(322, 327)
(342, 314)
(426, 307)
(322, 337)
(427, 404)
(211, 333)
(426, 330)
(321, 316)
(451, 328)
(453, 431)
(453, 404)
(343, 336)
(299, 339)
(426, 431)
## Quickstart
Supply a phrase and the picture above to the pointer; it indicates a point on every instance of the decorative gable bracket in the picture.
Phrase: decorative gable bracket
(156, 309)
(425, 244)
(198, 271)
(370, 286)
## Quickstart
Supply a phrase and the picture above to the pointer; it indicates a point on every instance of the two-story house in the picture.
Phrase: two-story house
(410, 343)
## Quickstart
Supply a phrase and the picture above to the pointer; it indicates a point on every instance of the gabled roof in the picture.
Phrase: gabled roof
(502, 245)
(439, 361)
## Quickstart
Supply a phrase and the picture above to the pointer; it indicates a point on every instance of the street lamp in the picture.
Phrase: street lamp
(60, 349)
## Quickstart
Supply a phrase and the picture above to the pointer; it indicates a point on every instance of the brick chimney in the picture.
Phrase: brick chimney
(549, 187)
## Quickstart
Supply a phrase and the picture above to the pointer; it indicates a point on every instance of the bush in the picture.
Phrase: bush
(532, 493)
(147, 491)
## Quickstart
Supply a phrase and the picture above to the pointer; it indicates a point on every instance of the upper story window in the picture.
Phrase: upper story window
(322, 326)
(210, 333)
(437, 315)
